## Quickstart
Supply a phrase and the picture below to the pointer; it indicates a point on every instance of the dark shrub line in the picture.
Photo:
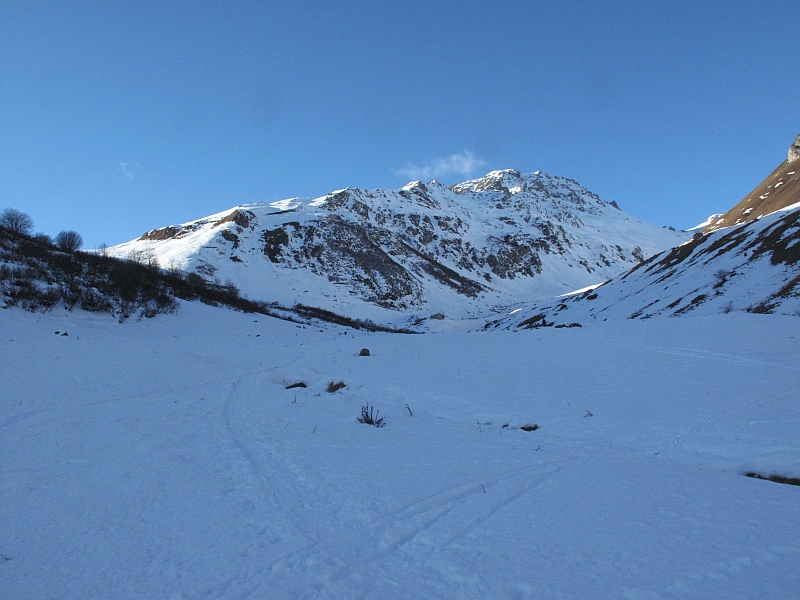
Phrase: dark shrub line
(36, 275)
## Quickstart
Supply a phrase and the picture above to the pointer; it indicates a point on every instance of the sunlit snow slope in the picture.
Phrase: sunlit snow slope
(423, 249)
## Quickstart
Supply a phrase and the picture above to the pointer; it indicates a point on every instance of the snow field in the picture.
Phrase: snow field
(166, 459)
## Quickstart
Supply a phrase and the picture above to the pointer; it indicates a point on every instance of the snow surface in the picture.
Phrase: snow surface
(166, 459)
(712, 219)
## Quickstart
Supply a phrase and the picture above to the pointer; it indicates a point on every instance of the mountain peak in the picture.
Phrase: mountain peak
(494, 181)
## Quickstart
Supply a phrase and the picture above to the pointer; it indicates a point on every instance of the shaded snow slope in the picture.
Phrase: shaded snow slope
(422, 249)
(752, 267)
(167, 459)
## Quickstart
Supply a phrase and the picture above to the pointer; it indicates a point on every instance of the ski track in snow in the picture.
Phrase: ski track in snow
(407, 533)
(716, 418)
(281, 491)
(255, 491)
(709, 355)
(425, 513)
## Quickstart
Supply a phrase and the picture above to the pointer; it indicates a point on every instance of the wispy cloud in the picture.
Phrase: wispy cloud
(127, 171)
(463, 164)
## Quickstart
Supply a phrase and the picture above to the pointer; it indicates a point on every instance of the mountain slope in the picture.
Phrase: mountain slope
(751, 267)
(780, 190)
(424, 248)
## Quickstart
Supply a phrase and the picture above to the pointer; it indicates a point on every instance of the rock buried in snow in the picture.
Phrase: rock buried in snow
(775, 478)
(533, 427)
(299, 384)
(364, 352)
(335, 387)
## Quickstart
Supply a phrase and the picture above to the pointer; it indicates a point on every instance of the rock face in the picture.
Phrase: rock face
(779, 190)
(794, 150)
(425, 247)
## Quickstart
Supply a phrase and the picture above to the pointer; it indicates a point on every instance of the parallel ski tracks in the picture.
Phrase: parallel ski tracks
(414, 531)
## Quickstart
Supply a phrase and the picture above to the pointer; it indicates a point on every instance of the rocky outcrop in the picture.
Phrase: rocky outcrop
(794, 150)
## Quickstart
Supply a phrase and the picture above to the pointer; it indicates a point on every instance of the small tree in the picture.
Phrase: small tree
(136, 256)
(69, 241)
(174, 267)
(231, 288)
(16, 221)
(150, 259)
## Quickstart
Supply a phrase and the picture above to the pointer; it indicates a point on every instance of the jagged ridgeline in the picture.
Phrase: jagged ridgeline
(745, 260)
(421, 249)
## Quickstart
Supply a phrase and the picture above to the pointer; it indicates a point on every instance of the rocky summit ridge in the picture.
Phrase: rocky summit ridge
(425, 248)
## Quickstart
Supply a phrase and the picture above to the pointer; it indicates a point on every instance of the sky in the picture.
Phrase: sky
(121, 117)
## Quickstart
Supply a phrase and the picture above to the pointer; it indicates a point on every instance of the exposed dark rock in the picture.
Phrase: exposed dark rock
(241, 217)
(165, 233)
(231, 237)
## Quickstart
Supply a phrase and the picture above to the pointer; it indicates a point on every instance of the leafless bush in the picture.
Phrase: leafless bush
(370, 416)
(69, 241)
(16, 221)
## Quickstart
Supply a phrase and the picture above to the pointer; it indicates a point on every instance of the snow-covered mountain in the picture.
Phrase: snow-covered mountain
(423, 249)
(753, 267)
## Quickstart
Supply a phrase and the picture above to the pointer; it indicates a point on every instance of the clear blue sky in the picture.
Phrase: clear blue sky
(119, 117)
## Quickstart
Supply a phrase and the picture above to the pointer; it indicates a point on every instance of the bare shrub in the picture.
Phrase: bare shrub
(136, 256)
(43, 238)
(721, 276)
(68, 241)
(370, 416)
(16, 221)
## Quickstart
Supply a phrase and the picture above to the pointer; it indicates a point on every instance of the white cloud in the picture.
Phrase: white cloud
(463, 164)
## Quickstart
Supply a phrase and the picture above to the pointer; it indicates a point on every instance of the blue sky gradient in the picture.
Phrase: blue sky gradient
(120, 117)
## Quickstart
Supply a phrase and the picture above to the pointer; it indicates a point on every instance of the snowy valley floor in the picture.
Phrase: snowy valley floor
(166, 459)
